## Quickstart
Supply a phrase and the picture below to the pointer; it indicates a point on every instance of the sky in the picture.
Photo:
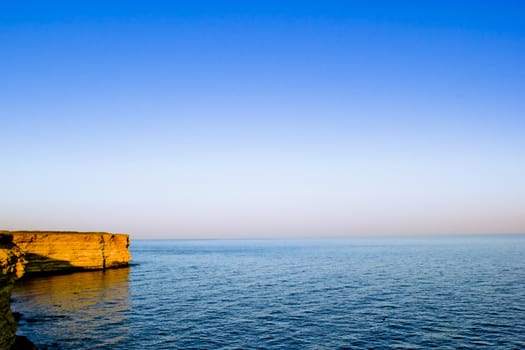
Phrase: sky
(259, 119)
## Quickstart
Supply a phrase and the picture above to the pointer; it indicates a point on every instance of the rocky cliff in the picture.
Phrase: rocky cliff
(11, 267)
(55, 252)
(35, 252)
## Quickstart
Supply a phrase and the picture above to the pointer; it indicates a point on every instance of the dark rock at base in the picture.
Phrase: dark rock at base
(17, 316)
(22, 343)
(12, 263)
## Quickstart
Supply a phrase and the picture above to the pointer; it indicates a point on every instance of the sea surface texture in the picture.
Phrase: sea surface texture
(394, 293)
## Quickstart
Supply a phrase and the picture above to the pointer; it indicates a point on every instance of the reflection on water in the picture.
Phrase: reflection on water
(74, 309)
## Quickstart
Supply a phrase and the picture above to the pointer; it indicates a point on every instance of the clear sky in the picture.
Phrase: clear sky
(195, 119)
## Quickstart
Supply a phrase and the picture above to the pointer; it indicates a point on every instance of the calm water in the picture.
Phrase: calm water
(292, 294)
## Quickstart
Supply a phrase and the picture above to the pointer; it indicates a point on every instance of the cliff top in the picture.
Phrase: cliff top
(58, 232)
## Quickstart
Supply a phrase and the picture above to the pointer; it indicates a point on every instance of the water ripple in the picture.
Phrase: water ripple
(332, 294)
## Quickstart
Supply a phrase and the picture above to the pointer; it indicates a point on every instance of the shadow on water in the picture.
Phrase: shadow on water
(84, 309)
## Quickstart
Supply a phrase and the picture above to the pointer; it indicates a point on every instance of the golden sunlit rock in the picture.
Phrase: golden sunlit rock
(51, 252)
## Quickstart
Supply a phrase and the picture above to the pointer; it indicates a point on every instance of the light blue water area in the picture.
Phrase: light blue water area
(417, 293)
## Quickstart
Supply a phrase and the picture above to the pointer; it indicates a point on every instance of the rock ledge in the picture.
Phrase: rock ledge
(50, 252)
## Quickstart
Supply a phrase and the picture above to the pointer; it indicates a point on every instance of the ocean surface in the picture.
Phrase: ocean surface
(380, 293)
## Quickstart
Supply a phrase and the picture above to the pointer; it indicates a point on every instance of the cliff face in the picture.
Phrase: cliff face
(34, 252)
(52, 252)
(11, 267)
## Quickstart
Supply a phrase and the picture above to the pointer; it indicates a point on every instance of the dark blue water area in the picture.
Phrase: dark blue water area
(380, 293)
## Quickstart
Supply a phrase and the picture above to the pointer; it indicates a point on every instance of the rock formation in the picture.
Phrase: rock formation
(11, 267)
(56, 252)
(36, 252)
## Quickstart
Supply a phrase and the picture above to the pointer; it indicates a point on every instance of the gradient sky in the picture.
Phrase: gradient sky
(195, 119)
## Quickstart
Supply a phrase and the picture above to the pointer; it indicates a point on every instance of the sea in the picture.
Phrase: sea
(457, 292)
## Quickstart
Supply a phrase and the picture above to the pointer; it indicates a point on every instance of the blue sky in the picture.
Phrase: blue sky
(195, 119)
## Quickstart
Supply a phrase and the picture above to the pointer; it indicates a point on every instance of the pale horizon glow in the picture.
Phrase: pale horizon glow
(269, 119)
